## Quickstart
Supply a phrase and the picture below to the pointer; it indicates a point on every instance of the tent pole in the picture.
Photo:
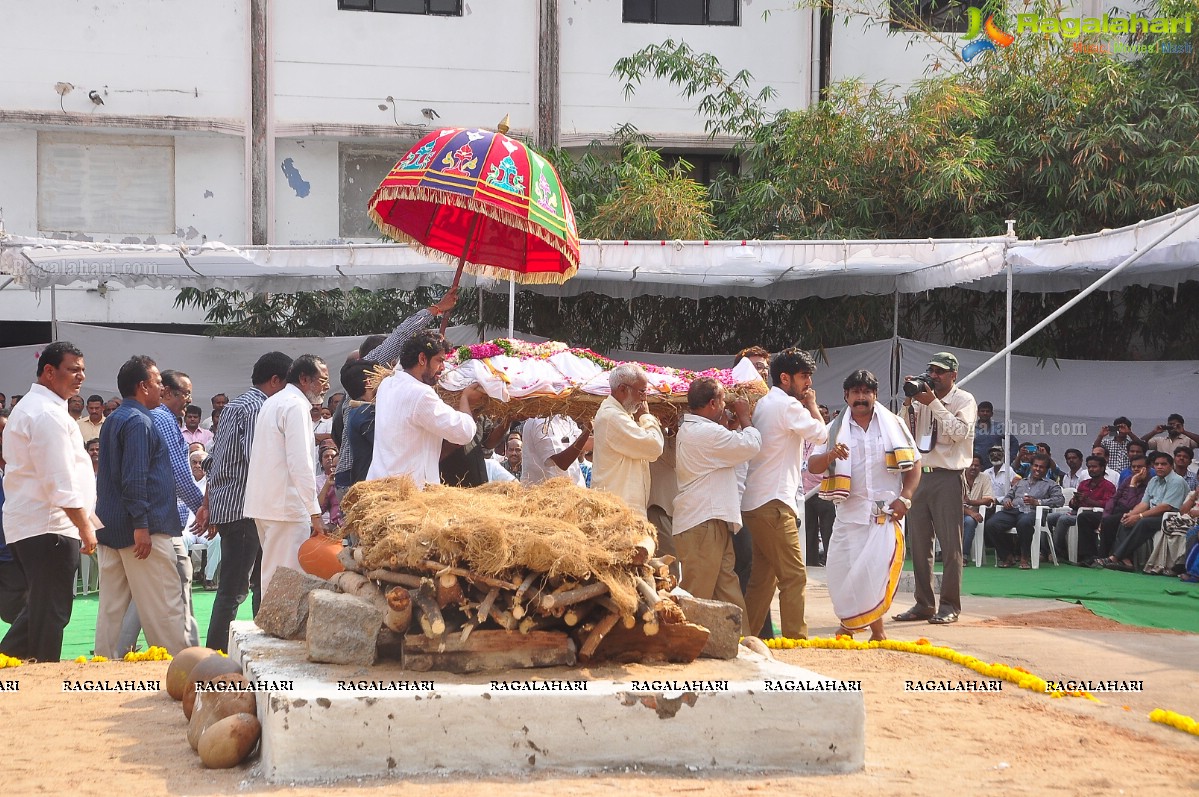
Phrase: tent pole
(53, 315)
(1007, 365)
(895, 354)
(1084, 293)
(481, 327)
(511, 307)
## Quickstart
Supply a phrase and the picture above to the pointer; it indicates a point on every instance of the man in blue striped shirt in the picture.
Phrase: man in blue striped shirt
(228, 468)
(176, 395)
(136, 502)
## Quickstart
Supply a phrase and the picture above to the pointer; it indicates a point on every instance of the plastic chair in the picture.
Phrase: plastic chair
(87, 576)
(978, 548)
(1072, 534)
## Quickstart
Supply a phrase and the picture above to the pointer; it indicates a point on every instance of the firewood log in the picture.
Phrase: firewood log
(597, 635)
(573, 596)
(449, 590)
(425, 598)
(478, 578)
(399, 610)
(391, 577)
(346, 557)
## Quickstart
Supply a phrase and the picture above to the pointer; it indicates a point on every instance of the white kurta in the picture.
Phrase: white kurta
(623, 450)
(544, 438)
(776, 472)
(706, 457)
(411, 420)
(279, 485)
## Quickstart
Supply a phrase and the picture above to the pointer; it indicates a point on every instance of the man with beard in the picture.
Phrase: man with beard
(627, 438)
(787, 417)
(411, 420)
(870, 476)
(280, 488)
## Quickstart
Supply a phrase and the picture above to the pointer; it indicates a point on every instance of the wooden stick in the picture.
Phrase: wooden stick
(487, 603)
(503, 618)
(524, 586)
(399, 610)
(597, 635)
(648, 592)
(346, 557)
(431, 621)
(575, 614)
(573, 596)
(449, 590)
(479, 578)
(627, 620)
(391, 577)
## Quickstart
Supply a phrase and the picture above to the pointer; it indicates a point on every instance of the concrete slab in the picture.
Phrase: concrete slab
(326, 722)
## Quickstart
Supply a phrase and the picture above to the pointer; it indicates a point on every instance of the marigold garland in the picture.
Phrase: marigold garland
(1175, 720)
(1016, 675)
(93, 660)
(9, 661)
(152, 653)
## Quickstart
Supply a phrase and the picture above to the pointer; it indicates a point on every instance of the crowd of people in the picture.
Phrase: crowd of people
(144, 481)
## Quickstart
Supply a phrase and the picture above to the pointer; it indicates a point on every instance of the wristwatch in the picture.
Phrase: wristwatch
(905, 501)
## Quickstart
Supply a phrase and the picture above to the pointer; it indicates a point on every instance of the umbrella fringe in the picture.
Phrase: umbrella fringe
(391, 193)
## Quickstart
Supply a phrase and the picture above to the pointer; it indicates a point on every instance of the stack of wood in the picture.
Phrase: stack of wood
(452, 613)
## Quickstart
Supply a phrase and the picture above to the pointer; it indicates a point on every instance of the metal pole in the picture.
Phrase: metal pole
(895, 358)
(511, 307)
(1084, 293)
(1007, 378)
(53, 315)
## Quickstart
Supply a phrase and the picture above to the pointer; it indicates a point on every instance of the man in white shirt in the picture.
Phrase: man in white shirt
(551, 447)
(627, 438)
(280, 488)
(218, 403)
(707, 509)
(411, 420)
(865, 554)
(50, 493)
(786, 417)
(1075, 472)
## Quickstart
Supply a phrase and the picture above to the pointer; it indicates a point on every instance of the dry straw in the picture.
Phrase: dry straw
(502, 530)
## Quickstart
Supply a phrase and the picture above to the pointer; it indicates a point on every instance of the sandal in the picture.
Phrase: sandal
(843, 631)
(1188, 578)
(1026, 566)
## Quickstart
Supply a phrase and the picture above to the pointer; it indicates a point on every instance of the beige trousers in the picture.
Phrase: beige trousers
(777, 563)
(706, 553)
(153, 583)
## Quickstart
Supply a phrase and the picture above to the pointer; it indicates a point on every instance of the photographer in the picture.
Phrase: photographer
(942, 419)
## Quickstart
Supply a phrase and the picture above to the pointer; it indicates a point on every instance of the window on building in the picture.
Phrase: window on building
(93, 183)
(705, 166)
(683, 12)
(942, 15)
(360, 170)
(443, 8)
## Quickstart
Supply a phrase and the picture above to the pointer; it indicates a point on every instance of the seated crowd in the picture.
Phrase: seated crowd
(228, 499)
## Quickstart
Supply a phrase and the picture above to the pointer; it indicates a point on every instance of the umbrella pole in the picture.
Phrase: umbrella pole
(470, 233)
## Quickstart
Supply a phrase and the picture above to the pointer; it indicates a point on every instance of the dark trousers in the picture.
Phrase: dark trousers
(743, 551)
(1109, 529)
(937, 512)
(240, 562)
(998, 532)
(819, 515)
(14, 591)
(1128, 539)
(49, 562)
(1088, 533)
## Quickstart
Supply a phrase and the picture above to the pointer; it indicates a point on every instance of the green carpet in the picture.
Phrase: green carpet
(1130, 598)
(80, 636)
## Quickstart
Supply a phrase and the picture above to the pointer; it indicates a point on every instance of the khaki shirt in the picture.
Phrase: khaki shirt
(955, 417)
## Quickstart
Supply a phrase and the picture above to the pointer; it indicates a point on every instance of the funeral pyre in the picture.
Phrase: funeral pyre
(509, 576)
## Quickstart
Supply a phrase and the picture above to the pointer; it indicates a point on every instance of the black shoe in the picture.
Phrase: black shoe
(912, 615)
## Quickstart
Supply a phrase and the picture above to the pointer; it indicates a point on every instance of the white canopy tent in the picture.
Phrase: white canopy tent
(1162, 251)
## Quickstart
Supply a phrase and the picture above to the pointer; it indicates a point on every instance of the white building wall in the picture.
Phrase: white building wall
(167, 57)
(306, 195)
(776, 49)
(336, 66)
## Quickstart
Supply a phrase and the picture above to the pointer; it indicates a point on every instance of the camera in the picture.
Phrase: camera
(917, 384)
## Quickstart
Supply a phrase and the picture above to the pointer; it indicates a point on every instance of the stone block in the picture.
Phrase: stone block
(284, 609)
(723, 621)
(342, 629)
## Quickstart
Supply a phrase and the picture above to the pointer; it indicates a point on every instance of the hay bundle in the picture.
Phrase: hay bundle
(503, 531)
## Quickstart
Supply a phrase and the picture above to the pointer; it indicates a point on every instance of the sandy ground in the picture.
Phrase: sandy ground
(1013, 742)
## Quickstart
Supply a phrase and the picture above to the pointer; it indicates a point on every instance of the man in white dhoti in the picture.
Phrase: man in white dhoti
(870, 475)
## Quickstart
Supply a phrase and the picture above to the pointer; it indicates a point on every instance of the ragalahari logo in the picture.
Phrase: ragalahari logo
(994, 36)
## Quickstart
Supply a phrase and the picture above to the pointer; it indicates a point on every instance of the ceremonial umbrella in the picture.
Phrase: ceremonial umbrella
(484, 200)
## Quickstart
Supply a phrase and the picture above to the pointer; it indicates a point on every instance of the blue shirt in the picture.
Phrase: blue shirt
(135, 488)
(187, 492)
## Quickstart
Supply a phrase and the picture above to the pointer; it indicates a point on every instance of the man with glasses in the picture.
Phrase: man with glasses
(280, 488)
(942, 418)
